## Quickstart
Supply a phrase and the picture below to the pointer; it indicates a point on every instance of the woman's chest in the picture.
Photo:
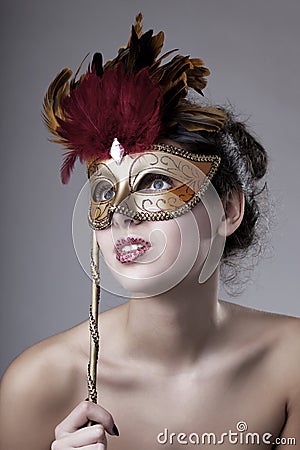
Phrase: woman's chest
(186, 411)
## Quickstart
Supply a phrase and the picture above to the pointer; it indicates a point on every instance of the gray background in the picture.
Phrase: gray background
(252, 48)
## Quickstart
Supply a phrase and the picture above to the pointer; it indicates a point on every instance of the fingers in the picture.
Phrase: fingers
(79, 417)
(72, 433)
(81, 438)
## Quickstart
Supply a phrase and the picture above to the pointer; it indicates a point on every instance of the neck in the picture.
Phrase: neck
(172, 329)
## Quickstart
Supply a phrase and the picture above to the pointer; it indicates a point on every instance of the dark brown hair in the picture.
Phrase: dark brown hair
(244, 163)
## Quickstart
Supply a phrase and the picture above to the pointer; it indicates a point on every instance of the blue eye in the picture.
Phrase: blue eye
(103, 191)
(155, 182)
(109, 194)
(158, 184)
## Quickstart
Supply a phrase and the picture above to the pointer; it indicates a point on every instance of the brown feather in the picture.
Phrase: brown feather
(171, 71)
(173, 95)
(57, 90)
(196, 75)
(197, 118)
(157, 63)
(138, 25)
(123, 51)
(157, 44)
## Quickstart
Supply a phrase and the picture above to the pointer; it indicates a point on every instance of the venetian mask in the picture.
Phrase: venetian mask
(161, 183)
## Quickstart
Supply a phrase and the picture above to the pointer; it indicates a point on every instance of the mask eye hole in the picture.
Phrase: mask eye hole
(103, 191)
(156, 182)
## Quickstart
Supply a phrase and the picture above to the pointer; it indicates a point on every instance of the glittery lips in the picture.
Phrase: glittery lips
(130, 248)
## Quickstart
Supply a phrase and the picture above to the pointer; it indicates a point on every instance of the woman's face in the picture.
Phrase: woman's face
(149, 257)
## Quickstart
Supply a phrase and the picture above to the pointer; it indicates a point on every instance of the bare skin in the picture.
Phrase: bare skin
(181, 360)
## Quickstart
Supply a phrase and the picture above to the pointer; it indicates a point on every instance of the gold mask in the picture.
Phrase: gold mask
(161, 183)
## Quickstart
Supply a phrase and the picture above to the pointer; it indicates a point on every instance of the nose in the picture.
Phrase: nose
(121, 221)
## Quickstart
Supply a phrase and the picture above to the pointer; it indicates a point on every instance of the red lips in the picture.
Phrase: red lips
(130, 248)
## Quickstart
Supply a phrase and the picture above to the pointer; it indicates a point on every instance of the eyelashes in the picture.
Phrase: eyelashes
(104, 190)
(155, 182)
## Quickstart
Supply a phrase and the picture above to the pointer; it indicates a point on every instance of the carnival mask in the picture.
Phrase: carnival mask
(161, 183)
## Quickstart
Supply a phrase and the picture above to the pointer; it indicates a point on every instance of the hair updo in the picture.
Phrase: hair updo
(244, 163)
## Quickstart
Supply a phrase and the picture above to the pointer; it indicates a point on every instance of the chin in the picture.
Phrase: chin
(150, 279)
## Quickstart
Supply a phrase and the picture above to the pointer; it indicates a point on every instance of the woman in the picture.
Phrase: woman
(170, 179)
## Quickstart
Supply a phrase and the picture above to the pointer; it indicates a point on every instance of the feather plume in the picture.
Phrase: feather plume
(105, 108)
(134, 97)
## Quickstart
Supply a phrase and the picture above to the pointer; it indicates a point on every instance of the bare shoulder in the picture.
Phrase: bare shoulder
(284, 330)
(278, 333)
(49, 360)
(45, 369)
(265, 318)
(38, 390)
(272, 343)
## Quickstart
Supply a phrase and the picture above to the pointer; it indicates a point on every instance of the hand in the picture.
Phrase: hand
(69, 434)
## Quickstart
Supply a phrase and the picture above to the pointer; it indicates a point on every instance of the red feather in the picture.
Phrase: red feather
(118, 105)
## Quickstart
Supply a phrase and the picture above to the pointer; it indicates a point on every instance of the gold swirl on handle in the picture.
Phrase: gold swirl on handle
(93, 324)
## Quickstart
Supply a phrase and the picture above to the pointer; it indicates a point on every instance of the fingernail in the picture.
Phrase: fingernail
(115, 430)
